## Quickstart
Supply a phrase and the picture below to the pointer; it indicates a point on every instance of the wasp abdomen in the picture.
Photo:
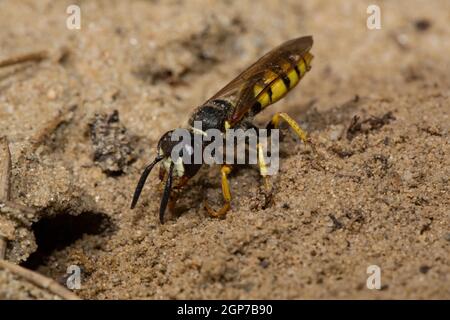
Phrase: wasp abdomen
(278, 82)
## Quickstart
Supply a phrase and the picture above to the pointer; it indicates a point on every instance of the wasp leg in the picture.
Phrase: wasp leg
(275, 122)
(262, 166)
(225, 171)
(263, 171)
(183, 181)
(176, 193)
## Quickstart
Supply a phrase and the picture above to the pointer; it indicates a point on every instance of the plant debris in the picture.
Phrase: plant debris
(114, 147)
(364, 126)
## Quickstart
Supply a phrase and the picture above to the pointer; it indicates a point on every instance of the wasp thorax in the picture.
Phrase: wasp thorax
(211, 116)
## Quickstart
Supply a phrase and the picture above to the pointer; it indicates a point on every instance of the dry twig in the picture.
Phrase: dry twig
(5, 175)
(29, 57)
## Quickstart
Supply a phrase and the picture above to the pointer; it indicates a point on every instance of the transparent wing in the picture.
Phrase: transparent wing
(240, 91)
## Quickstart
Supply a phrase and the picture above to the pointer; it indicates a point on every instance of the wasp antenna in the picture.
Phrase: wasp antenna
(142, 180)
(166, 195)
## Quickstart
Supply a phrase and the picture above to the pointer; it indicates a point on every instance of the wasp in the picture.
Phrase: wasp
(265, 82)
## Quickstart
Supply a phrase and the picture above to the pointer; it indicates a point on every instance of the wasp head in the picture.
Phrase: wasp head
(177, 156)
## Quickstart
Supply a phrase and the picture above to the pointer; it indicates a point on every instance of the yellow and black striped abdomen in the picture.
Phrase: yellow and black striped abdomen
(277, 83)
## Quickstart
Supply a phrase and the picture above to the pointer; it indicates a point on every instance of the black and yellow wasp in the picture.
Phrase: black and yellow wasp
(265, 82)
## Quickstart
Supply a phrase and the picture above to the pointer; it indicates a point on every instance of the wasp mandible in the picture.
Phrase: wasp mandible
(265, 82)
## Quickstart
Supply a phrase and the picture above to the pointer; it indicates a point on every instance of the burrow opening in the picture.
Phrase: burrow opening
(60, 231)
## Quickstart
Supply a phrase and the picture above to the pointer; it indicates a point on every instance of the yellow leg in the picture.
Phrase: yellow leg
(274, 123)
(225, 171)
(263, 171)
(263, 167)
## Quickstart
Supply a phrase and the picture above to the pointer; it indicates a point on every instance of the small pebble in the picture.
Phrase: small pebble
(422, 24)
(51, 94)
(424, 269)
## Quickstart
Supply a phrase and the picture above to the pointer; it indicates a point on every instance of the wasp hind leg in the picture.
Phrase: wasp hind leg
(275, 122)
(225, 171)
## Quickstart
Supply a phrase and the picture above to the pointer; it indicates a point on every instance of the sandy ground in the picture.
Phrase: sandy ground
(382, 197)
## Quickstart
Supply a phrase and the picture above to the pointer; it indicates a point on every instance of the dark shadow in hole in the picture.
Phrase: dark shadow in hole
(60, 231)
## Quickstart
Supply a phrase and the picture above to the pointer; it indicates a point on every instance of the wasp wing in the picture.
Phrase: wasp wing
(240, 92)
